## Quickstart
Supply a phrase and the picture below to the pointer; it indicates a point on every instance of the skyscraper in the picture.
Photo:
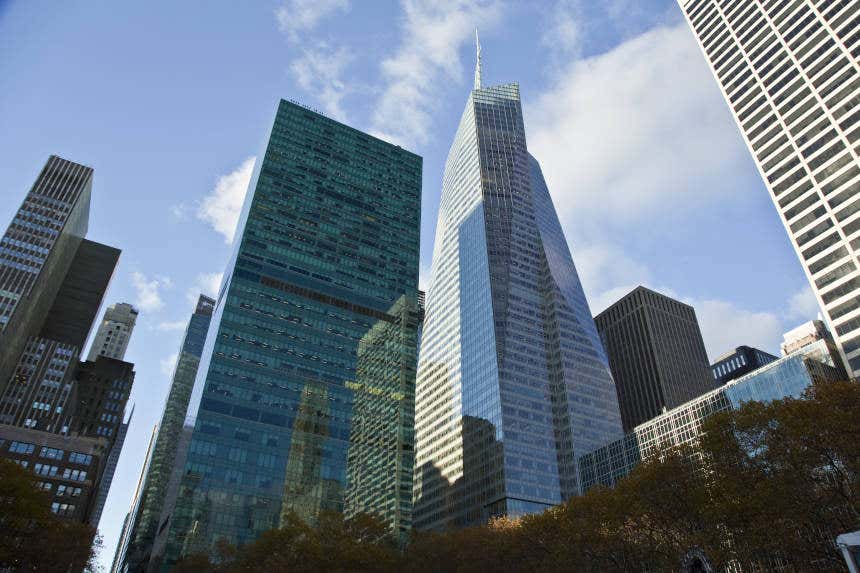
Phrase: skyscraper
(656, 354)
(513, 381)
(58, 416)
(114, 332)
(790, 74)
(326, 247)
(36, 252)
(144, 515)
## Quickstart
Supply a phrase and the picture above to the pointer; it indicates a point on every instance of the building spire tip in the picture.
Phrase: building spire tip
(477, 61)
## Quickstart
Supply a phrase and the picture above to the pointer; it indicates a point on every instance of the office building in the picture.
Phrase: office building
(742, 360)
(791, 76)
(512, 377)
(36, 252)
(66, 413)
(146, 510)
(109, 471)
(114, 332)
(326, 246)
(119, 563)
(788, 376)
(656, 354)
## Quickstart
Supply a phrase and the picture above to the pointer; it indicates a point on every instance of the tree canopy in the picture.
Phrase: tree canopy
(33, 538)
(767, 486)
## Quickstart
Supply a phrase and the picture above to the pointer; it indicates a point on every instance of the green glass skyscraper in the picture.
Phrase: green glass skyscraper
(318, 315)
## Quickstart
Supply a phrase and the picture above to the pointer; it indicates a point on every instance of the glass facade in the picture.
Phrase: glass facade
(143, 521)
(326, 261)
(512, 377)
(789, 376)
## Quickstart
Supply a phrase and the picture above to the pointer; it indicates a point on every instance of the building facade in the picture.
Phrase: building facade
(656, 354)
(791, 76)
(66, 413)
(742, 360)
(114, 332)
(36, 252)
(512, 377)
(327, 245)
(143, 520)
(788, 376)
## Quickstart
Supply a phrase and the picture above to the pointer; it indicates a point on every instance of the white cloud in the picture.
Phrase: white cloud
(607, 273)
(562, 35)
(725, 326)
(148, 296)
(432, 32)
(168, 326)
(803, 305)
(296, 16)
(205, 283)
(318, 71)
(222, 207)
(168, 364)
(627, 134)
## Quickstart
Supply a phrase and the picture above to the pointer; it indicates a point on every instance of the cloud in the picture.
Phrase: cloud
(205, 283)
(148, 297)
(222, 207)
(562, 33)
(168, 364)
(432, 32)
(725, 326)
(296, 16)
(803, 305)
(318, 71)
(168, 326)
(623, 135)
(178, 212)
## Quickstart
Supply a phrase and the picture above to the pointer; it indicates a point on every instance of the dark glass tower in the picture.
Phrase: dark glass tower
(143, 520)
(326, 259)
(512, 378)
(656, 354)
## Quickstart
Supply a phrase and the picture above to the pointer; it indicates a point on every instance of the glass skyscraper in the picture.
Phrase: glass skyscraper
(143, 519)
(317, 318)
(513, 381)
(790, 74)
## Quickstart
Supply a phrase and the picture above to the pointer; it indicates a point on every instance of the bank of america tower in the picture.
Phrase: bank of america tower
(513, 381)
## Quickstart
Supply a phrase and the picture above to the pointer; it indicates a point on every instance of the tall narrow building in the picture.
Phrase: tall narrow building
(656, 354)
(513, 381)
(326, 264)
(143, 520)
(114, 332)
(790, 74)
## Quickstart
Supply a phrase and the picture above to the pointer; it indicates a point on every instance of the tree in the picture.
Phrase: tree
(34, 539)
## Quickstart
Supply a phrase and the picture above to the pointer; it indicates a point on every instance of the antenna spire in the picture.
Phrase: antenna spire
(477, 62)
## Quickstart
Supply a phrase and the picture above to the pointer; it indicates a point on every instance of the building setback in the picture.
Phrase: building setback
(742, 360)
(143, 520)
(326, 255)
(513, 380)
(656, 354)
(790, 73)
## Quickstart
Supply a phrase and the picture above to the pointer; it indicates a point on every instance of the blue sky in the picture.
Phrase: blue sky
(170, 101)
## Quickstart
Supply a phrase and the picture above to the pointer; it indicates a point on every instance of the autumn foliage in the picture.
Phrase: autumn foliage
(32, 538)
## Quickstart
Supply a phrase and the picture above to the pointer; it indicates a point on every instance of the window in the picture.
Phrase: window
(22, 448)
(51, 453)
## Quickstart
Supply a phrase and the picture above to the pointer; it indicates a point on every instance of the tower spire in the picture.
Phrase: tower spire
(477, 62)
